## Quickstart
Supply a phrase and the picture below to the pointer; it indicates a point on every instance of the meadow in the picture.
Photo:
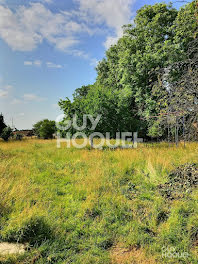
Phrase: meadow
(88, 206)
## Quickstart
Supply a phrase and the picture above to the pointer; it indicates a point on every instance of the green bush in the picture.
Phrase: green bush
(45, 129)
(6, 134)
(18, 137)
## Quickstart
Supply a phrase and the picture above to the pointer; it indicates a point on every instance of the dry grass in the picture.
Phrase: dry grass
(132, 255)
(83, 201)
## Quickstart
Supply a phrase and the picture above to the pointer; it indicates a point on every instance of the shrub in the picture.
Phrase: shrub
(6, 134)
(181, 181)
(18, 137)
(45, 129)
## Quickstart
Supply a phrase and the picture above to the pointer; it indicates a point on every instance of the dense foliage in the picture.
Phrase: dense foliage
(45, 129)
(2, 123)
(134, 79)
(6, 133)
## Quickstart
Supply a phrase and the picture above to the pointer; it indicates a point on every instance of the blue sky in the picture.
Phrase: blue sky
(49, 48)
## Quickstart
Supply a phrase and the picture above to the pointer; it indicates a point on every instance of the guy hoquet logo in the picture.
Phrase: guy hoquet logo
(63, 124)
(171, 252)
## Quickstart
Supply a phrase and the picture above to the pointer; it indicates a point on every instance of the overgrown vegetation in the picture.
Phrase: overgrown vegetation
(181, 181)
(45, 129)
(5, 131)
(150, 71)
(80, 206)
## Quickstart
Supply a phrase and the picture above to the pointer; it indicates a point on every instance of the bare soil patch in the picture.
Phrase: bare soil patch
(10, 248)
(132, 255)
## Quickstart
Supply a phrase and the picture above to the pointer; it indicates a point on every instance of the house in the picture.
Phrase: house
(25, 133)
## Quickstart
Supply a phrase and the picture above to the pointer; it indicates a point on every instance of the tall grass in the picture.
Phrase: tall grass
(77, 206)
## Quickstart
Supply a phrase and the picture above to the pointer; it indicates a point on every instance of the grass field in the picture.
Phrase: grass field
(91, 206)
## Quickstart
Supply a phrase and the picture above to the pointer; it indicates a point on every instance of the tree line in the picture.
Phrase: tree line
(43, 129)
(148, 79)
(146, 83)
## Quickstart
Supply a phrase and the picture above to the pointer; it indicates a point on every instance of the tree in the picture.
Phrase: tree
(37, 128)
(6, 133)
(131, 80)
(2, 124)
(182, 93)
(45, 129)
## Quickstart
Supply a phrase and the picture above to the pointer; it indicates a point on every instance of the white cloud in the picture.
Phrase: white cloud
(16, 101)
(3, 93)
(113, 13)
(53, 65)
(14, 32)
(64, 44)
(111, 40)
(47, 1)
(27, 27)
(37, 63)
(27, 63)
(85, 56)
(94, 62)
(80, 53)
(33, 97)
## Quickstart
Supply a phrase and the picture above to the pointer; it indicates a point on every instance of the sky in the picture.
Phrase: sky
(48, 48)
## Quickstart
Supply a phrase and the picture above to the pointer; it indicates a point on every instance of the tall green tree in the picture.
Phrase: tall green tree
(2, 123)
(6, 133)
(132, 79)
(45, 129)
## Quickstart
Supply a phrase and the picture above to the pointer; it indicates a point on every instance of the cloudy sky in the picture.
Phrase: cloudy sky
(48, 48)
